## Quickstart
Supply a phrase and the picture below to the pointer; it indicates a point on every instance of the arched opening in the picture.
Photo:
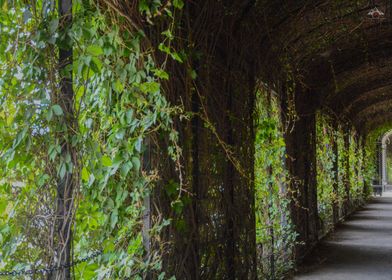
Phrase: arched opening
(386, 161)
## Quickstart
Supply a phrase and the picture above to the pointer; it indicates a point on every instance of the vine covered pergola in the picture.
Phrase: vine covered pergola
(195, 139)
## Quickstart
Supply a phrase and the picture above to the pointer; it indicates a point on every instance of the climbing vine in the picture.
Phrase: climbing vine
(118, 104)
(342, 186)
(130, 131)
(275, 236)
(326, 196)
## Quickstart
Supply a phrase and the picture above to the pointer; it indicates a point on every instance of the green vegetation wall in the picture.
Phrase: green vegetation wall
(176, 157)
(161, 134)
(275, 236)
(118, 105)
(326, 175)
(343, 176)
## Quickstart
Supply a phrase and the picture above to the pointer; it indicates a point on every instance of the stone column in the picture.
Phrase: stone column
(384, 165)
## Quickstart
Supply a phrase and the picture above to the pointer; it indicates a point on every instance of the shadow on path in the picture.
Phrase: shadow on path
(360, 248)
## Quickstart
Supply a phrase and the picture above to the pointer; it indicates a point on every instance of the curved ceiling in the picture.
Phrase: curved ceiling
(338, 52)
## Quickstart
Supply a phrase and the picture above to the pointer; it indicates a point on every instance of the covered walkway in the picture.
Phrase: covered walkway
(204, 139)
(361, 248)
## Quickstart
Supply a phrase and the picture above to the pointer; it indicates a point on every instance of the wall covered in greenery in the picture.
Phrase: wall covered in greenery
(275, 235)
(138, 141)
(117, 104)
(343, 174)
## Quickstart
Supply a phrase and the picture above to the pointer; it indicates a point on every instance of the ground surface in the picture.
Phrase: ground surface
(360, 249)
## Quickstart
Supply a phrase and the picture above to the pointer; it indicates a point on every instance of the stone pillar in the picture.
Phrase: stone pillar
(384, 165)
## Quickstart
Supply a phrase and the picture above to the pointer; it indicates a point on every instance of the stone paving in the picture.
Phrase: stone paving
(361, 248)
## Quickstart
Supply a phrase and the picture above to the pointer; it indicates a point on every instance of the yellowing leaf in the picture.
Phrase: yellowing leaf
(85, 174)
(107, 161)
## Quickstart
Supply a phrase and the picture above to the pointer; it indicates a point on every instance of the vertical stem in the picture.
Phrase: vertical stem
(301, 163)
(347, 173)
(335, 206)
(147, 205)
(65, 187)
(270, 199)
(196, 183)
(231, 250)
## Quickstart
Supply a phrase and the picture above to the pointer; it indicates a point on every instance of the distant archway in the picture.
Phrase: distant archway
(385, 140)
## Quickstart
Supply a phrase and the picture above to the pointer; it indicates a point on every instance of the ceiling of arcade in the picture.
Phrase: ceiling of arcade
(339, 52)
(333, 48)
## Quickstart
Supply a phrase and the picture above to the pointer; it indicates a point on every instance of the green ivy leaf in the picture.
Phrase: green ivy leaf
(107, 161)
(49, 115)
(19, 137)
(53, 24)
(85, 174)
(159, 73)
(179, 4)
(118, 86)
(62, 170)
(57, 110)
(125, 168)
(114, 218)
(177, 206)
(95, 50)
(136, 163)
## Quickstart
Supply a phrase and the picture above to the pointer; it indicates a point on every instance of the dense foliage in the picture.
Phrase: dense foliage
(275, 235)
(138, 210)
(342, 185)
(326, 176)
(117, 104)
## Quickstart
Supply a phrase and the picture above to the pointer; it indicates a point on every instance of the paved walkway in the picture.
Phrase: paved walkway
(360, 249)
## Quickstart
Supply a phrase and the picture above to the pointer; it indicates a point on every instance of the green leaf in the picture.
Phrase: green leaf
(89, 123)
(172, 188)
(120, 134)
(63, 169)
(95, 50)
(164, 48)
(19, 137)
(129, 116)
(150, 87)
(179, 4)
(106, 161)
(125, 168)
(177, 206)
(176, 57)
(136, 163)
(159, 73)
(57, 110)
(138, 144)
(168, 34)
(49, 115)
(118, 86)
(53, 151)
(114, 218)
(96, 65)
(53, 24)
(180, 225)
(3, 205)
(193, 75)
(85, 174)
